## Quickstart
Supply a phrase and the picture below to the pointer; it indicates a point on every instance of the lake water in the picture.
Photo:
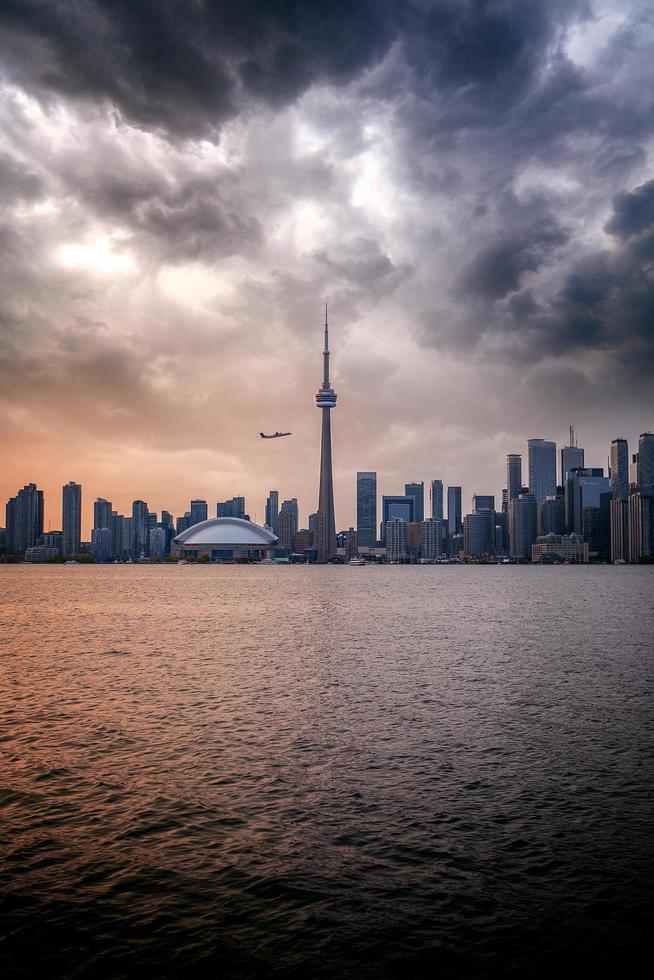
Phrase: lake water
(325, 772)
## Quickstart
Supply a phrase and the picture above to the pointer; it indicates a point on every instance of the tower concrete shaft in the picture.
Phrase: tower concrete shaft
(325, 401)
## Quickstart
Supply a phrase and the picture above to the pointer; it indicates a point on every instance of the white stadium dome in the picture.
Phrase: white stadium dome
(226, 531)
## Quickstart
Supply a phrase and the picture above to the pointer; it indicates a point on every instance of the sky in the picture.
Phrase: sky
(183, 184)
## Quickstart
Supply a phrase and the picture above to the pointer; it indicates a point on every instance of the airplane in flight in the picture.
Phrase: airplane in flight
(275, 435)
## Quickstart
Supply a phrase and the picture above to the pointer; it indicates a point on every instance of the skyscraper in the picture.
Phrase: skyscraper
(513, 476)
(24, 520)
(431, 538)
(272, 510)
(366, 509)
(71, 518)
(396, 537)
(417, 491)
(572, 457)
(436, 494)
(453, 510)
(291, 507)
(102, 513)
(234, 507)
(619, 477)
(522, 525)
(542, 468)
(199, 511)
(325, 401)
(483, 501)
(396, 507)
(646, 460)
(139, 529)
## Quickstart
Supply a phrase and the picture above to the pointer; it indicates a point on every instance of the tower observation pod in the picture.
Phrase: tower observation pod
(325, 401)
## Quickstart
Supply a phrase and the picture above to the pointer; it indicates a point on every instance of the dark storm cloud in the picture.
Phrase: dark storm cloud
(605, 303)
(186, 66)
(17, 182)
(633, 211)
(528, 235)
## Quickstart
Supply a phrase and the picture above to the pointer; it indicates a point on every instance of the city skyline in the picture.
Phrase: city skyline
(478, 224)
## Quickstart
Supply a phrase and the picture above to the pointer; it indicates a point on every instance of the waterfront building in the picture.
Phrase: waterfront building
(431, 538)
(102, 512)
(397, 507)
(326, 401)
(225, 539)
(583, 489)
(620, 529)
(641, 524)
(71, 519)
(140, 529)
(396, 538)
(542, 468)
(483, 501)
(40, 553)
(571, 549)
(24, 520)
(158, 543)
(551, 516)
(522, 525)
(303, 540)
(199, 511)
(272, 510)
(101, 544)
(351, 544)
(234, 507)
(572, 457)
(417, 491)
(646, 460)
(291, 507)
(596, 527)
(286, 525)
(436, 497)
(619, 473)
(479, 534)
(454, 524)
(513, 476)
(413, 531)
(117, 533)
(51, 539)
(126, 544)
(367, 508)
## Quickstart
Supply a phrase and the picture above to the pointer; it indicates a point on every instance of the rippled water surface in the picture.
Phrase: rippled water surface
(325, 772)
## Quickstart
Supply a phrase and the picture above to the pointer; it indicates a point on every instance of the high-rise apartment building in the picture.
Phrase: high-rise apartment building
(272, 510)
(619, 476)
(542, 468)
(397, 507)
(522, 525)
(366, 509)
(417, 491)
(431, 538)
(287, 530)
(199, 511)
(291, 507)
(139, 529)
(454, 523)
(479, 533)
(396, 538)
(24, 520)
(641, 524)
(102, 511)
(436, 495)
(234, 507)
(101, 544)
(71, 518)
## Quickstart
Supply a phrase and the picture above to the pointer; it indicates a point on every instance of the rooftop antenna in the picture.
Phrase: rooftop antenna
(572, 436)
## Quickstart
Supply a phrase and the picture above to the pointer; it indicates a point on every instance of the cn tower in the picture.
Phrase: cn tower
(326, 400)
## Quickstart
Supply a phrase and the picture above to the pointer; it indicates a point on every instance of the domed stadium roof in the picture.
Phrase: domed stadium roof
(226, 532)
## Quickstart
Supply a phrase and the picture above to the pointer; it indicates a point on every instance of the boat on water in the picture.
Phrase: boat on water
(71, 561)
(357, 561)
